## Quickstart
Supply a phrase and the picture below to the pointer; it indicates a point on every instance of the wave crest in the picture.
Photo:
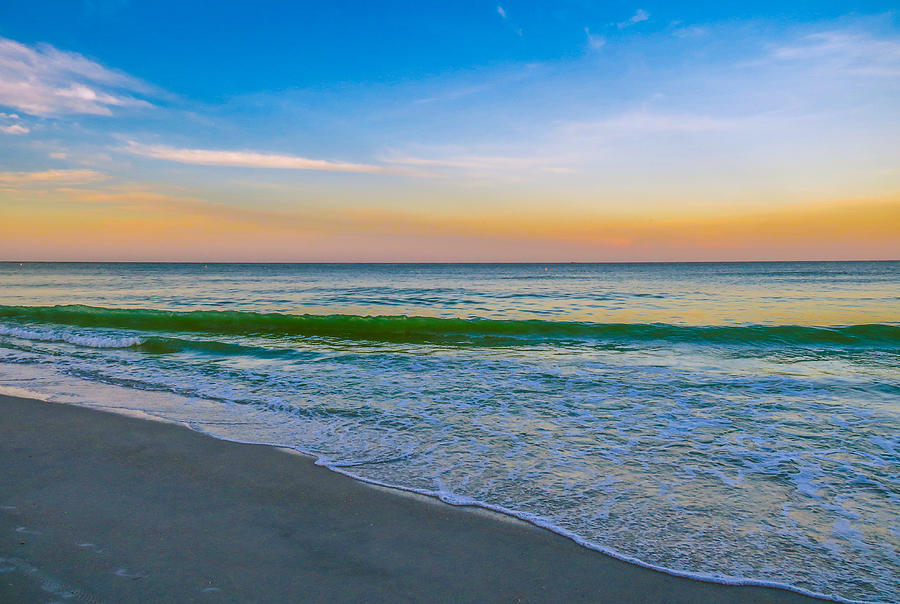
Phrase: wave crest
(429, 329)
(91, 341)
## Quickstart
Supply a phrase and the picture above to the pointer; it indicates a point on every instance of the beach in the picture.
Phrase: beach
(316, 302)
(654, 413)
(100, 507)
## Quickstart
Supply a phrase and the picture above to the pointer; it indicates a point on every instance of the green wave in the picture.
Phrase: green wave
(428, 329)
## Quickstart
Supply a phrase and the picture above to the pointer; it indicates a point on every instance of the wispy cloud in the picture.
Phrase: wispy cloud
(648, 122)
(465, 85)
(458, 93)
(9, 124)
(138, 199)
(43, 80)
(594, 41)
(502, 12)
(475, 162)
(245, 159)
(480, 163)
(14, 129)
(690, 31)
(846, 53)
(561, 149)
(130, 198)
(639, 15)
(53, 177)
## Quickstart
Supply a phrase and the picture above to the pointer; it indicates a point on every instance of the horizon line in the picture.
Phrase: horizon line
(553, 262)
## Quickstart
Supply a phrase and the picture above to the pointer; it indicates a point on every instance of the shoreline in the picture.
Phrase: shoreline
(111, 507)
(500, 514)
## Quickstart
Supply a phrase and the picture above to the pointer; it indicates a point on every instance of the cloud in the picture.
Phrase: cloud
(62, 177)
(148, 200)
(14, 129)
(594, 41)
(245, 159)
(174, 209)
(647, 122)
(561, 150)
(482, 164)
(845, 53)
(690, 31)
(502, 12)
(43, 80)
(462, 161)
(639, 15)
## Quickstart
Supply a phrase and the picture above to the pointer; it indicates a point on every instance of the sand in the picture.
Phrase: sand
(99, 507)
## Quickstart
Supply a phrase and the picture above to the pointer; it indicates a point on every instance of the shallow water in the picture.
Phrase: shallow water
(734, 421)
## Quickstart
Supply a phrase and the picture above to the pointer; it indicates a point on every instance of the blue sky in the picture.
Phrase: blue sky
(210, 53)
(455, 113)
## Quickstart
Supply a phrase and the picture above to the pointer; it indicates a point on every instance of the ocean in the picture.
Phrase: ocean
(738, 422)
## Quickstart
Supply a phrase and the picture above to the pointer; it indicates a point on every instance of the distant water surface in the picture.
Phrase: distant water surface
(734, 421)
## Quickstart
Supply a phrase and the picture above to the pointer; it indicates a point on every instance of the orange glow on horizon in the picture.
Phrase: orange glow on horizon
(82, 224)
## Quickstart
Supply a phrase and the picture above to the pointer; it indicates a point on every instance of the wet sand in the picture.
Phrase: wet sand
(99, 507)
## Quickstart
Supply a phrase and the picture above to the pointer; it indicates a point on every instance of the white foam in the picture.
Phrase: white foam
(54, 335)
(294, 410)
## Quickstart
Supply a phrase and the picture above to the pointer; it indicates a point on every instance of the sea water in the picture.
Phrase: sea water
(733, 421)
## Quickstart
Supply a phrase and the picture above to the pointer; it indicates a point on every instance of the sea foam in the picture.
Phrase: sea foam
(57, 335)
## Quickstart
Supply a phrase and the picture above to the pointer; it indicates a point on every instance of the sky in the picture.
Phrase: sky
(449, 131)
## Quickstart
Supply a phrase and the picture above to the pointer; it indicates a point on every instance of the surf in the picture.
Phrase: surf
(419, 329)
